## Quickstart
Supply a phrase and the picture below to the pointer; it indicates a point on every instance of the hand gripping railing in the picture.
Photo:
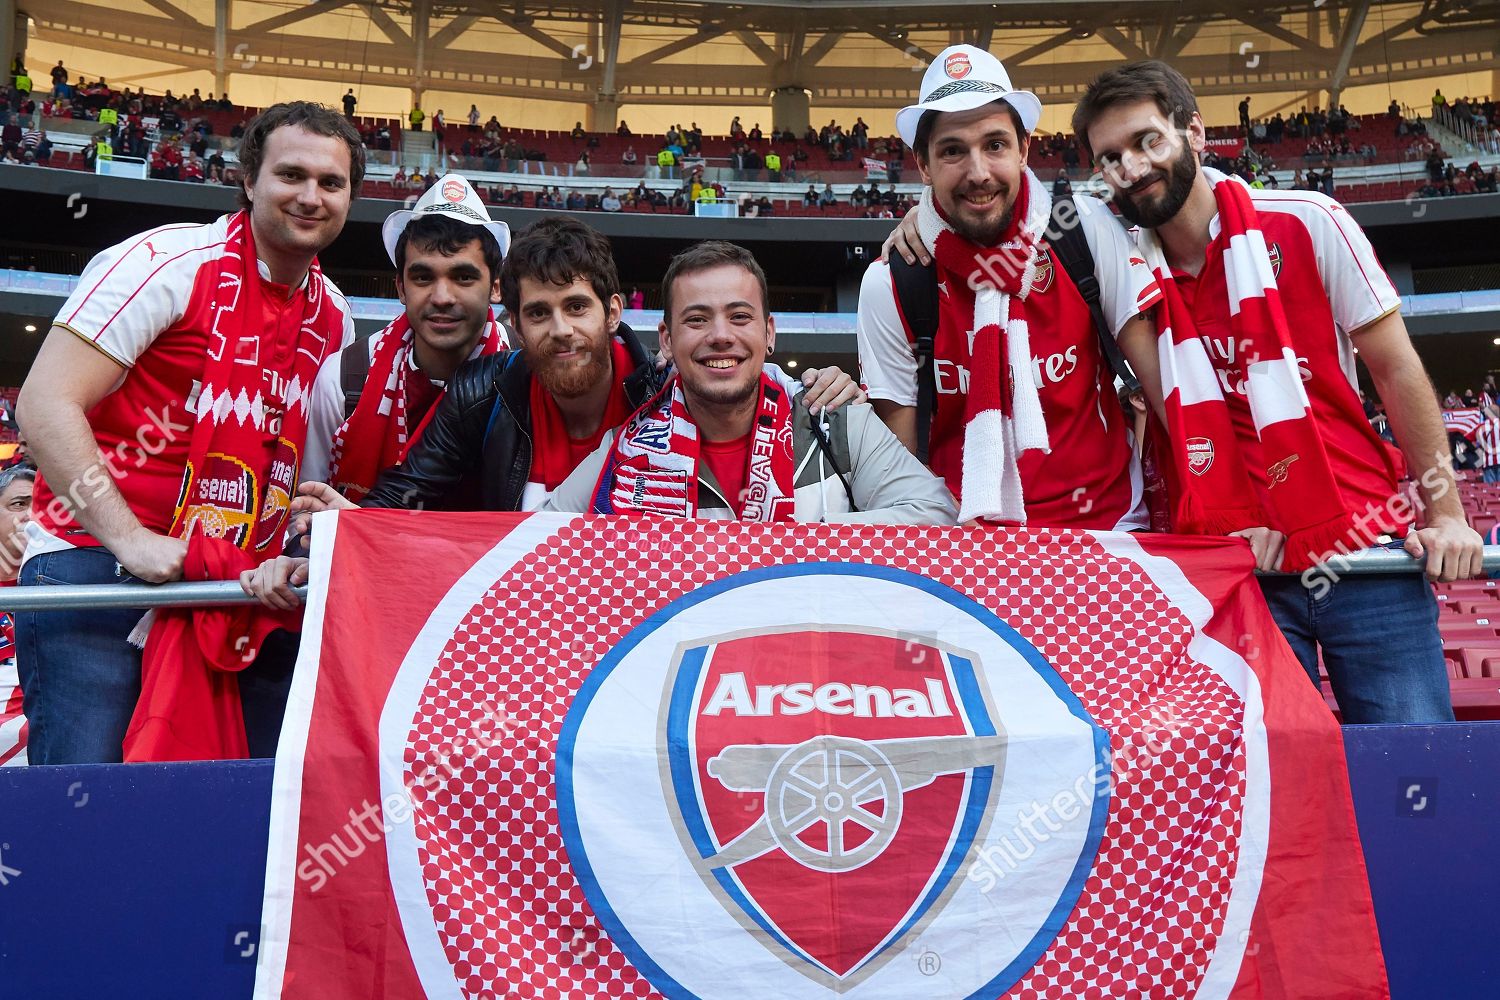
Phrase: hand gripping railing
(218, 593)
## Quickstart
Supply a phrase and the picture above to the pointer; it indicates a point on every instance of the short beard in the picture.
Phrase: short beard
(575, 380)
(1180, 177)
(986, 236)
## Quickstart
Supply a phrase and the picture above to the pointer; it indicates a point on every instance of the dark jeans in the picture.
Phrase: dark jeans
(1380, 643)
(81, 679)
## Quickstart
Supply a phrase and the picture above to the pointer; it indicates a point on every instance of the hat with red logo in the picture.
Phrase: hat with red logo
(451, 196)
(962, 78)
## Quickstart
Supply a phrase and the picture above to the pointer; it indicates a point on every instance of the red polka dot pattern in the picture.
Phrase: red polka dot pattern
(512, 918)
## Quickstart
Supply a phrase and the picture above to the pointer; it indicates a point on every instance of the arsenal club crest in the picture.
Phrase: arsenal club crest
(1276, 474)
(806, 805)
(1274, 253)
(453, 190)
(957, 65)
(1044, 271)
(1200, 455)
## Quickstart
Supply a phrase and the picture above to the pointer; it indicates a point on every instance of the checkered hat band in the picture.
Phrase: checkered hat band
(965, 86)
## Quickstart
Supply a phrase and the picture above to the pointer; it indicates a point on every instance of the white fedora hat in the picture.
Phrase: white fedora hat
(962, 78)
(452, 196)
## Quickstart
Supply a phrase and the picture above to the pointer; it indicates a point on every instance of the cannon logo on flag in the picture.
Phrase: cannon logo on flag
(830, 785)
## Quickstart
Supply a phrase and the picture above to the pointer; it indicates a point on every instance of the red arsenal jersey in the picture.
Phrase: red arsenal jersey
(1090, 479)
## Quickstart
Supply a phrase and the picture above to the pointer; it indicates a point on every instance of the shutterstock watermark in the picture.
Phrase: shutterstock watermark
(1041, 820)
(1400, 508)
(371, 821)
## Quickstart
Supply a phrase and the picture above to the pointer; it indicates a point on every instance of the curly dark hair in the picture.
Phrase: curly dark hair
(557, 250)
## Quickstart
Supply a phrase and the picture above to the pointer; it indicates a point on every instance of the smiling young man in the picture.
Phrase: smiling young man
(725, 438)
(1026, 429)
(140, 415)
(447, 253)
(1267, 297)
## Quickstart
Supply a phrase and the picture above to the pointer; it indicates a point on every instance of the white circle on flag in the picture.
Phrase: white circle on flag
(641, 841)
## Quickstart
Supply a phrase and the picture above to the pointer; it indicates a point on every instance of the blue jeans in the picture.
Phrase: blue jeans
(1380, 643)
(80, 678)
(1492, 473)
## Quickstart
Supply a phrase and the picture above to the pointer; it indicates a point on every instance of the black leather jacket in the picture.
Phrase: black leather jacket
(482, 432)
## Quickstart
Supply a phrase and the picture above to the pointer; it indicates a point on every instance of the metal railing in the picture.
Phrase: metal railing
(227, 592)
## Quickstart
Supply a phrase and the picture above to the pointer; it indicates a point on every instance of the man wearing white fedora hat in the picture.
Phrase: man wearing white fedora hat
(993, 364)
(371, 402)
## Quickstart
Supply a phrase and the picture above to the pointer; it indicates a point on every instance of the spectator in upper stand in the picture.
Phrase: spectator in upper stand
(192, 169)
(575, 201)
(1245, 115)
(1061, 186)
(1438, 100)
(439, 123)
(581, 167)
(1394, 110)
(810, 136)
(629, 157)
(473, 118)
(736, 130)
(755, 133)
(416, 118)
(827, 198)
(609, 202)
(810, 198)
(695, 134)
(578, 132)
(860, 133)
(857, 196)
(59, 80)
(636, 299)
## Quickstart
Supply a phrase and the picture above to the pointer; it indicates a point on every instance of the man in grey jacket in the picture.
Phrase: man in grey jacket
(723, 439)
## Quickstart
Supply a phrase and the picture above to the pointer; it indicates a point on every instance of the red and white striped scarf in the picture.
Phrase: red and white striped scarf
(1212, 489)
(376, 436)
(653, 465)
(1003, 415)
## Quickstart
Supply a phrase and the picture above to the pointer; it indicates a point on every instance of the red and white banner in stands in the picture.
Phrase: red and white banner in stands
(875, 170)
(1464, 422)
(578, 757)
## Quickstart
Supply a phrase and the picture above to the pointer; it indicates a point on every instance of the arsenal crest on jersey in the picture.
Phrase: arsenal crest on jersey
(1274, 253)
(1044, 271)
(807, 763)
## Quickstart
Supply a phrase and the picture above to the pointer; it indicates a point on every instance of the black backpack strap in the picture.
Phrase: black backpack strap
(354, 368)
(917, 297)
(1072, 250)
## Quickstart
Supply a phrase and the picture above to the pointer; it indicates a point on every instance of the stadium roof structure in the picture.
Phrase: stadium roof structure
(733, 53)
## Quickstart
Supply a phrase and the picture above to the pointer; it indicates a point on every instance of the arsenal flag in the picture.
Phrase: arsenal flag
(576, 757)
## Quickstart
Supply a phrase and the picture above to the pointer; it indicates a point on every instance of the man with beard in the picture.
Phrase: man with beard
(519, 422)
(1263, 414)
(447, 253)
(725, 438)
(1026, 428)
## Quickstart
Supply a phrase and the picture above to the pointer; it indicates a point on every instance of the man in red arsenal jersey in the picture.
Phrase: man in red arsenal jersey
(169, 401)
(1267, 296)
(1026, 428)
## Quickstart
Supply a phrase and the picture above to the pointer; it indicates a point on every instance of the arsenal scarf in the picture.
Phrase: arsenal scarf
(189, 708)
(377, 436)
(653, 466)
(1212, 490)
(1003, 415)
(251, 412)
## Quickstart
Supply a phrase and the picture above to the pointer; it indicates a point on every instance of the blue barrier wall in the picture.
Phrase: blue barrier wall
(144, 881)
